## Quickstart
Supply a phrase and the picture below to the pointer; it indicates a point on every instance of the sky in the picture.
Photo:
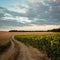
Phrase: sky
(29, 14)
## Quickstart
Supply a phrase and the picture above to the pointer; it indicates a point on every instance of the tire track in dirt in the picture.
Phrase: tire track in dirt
(19, 51)
(24, 53)
(27, 53)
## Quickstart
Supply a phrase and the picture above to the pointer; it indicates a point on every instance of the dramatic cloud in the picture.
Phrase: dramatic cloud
(30, 12)
(12, 19)
(49, 11)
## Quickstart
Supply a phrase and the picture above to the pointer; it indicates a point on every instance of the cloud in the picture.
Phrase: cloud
(34, 27)
(1, 15)
(19, 8)
(19, 19)
(45, 10)
(1, 12)
(12, 23)
(33, 12)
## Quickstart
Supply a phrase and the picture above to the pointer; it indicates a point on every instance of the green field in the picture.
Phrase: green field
(48, 43)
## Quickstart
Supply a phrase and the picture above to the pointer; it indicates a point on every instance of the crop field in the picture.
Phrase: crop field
(48, 43)
(5, 36)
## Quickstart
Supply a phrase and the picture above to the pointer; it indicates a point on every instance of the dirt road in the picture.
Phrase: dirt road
(19, 51)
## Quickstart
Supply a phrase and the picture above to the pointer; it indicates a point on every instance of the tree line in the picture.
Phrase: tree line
(52, 30)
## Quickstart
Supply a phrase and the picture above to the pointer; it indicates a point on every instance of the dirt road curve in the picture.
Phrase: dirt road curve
(19, 51)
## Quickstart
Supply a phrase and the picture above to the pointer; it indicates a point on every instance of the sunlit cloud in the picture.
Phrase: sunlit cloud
(19, 19)
(32, 28)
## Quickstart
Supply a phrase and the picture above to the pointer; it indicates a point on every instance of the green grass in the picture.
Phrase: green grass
(48, 43)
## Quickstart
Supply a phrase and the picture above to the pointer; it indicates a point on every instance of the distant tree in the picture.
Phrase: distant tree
(54, 30)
